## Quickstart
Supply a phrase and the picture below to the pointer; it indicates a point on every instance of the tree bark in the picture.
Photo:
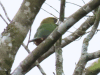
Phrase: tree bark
(14, 34)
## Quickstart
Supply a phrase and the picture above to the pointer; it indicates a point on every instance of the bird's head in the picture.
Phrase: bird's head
(49, 20)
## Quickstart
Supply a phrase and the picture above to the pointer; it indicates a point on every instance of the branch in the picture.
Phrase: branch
(83, 1)
(93, 55)
(78, 33)
(3, 19)
(49, 12)
(58, 50)
(5, 11)
(52, 7)
(36, 63)
(13, 36)
(83, 59)
(26, 48)
(29, 37)
(40, 68)
(55, 35)
(74, 4)
(88, 23)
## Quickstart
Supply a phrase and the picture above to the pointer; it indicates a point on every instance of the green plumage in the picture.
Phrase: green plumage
(44, 30)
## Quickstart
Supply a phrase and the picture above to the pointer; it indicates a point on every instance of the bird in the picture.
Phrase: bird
(46, 27)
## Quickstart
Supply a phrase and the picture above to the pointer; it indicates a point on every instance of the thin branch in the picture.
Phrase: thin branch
(40, 68)
(26, 48)
(5, 12)
(54, 73)
(78, 6)
(74, 4)
(52, 7)
(83, 1)
(93, 55)
(49, 12)
(29, 37)
(3, 19)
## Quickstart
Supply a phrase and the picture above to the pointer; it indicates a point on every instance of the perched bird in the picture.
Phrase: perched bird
(44, 30)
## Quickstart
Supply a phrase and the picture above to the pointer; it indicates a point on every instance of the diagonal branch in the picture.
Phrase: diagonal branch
(36, 63)
(88, 23)
(55, 35)
(3, 19)
(84, 56)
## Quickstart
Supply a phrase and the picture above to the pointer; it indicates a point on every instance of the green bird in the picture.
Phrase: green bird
(44, 30)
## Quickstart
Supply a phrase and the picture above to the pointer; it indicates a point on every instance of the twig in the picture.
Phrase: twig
(73, 4)
(40, 68)
(3, 19)
(26, 48)
(52, 7)
(29, 37)
(5, 11)
(83, 1)
(48, 12)
(54, 73)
